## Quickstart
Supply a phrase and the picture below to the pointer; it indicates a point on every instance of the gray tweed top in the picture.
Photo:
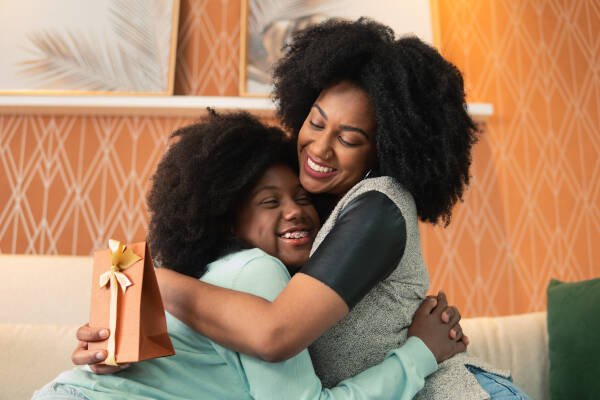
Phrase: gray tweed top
(379, 322)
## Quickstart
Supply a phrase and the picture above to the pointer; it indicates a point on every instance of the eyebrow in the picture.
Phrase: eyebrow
(270, 187)
(320, 110)
(262, 188)
(342, 127)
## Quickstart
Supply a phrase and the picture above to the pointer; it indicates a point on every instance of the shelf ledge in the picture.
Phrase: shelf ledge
(164, 106)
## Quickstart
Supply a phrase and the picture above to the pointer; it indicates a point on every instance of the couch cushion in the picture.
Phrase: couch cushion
(518, 343)
(45, 289)
(574, 339)
(33, 355)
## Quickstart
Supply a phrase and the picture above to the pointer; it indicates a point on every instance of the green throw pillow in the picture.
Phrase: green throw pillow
(574, 339)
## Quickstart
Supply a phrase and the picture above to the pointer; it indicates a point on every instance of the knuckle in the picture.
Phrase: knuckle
(75, 357)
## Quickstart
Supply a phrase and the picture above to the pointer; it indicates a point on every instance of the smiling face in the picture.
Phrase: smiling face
(336, 144)
(278, 216)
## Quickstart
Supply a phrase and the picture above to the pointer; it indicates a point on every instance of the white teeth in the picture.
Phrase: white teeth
(295, 235)
(317, 167)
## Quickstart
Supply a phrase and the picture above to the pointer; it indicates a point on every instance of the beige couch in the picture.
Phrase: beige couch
(46, 298)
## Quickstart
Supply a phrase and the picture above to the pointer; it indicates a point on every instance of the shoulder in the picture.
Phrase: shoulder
(252, 271)
(257, 261)
(385, 185)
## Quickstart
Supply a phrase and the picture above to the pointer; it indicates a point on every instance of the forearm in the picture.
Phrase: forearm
(250, 324)
(400, 376)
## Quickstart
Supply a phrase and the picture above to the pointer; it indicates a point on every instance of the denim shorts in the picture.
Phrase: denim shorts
(499, 387)
(54, 391)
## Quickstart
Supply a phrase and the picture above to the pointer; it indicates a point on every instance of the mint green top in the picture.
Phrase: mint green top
(202, 369)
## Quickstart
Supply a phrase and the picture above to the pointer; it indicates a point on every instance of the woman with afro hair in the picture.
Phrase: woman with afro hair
(383, 132)
(218, 215)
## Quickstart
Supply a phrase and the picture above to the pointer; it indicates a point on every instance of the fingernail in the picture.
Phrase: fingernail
(452, 333)
(100, 355)
(103, 333)
(445, 317)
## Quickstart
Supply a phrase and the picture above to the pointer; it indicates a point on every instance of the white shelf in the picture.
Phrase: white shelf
(480, 112)
(167, 106)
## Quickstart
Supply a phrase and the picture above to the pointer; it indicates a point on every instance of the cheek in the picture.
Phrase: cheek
(355, 163)
(264, 236)
(302, 139)
(314, 216)
(254, 230)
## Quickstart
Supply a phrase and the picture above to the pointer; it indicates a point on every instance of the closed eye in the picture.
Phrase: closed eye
(315, 125)
(304, 200)
(345, 143)
(269, 203)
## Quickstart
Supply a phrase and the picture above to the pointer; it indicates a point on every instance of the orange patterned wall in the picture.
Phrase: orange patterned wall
(208, 48)
(532, 211)
(70, 183)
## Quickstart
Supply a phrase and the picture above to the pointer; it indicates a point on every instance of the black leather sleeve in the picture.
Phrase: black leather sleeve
(365, 245)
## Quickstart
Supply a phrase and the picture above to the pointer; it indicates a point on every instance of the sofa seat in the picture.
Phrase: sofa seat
(46, 298)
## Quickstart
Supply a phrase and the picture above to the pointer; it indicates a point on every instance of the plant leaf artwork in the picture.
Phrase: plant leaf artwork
(131, 53)
(269, 25)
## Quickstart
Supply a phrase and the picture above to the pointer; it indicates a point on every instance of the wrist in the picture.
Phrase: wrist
(416, 353)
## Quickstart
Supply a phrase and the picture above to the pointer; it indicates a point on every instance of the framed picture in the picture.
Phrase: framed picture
(268, 25)
(88, 46)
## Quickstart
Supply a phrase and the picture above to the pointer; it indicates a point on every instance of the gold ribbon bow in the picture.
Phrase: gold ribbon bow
(121, 258)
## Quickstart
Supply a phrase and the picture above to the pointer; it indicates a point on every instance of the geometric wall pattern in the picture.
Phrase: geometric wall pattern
(70, 183)
(532, 211)
(208, 48)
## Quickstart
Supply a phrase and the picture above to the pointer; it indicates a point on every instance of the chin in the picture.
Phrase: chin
(294, 263)
(313, 187)
(291, 267)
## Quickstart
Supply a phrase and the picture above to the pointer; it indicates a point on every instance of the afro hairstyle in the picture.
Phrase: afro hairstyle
(424, 134)
(199, 184)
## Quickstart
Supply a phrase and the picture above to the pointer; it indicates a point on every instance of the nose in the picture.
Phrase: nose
(292, 211)
(321, 146)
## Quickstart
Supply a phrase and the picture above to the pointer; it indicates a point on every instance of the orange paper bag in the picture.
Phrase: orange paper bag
(126, 299)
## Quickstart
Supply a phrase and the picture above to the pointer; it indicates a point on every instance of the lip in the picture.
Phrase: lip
(316, 174)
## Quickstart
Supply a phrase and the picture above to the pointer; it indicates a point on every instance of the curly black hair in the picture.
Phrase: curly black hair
(200, 182)
(424, 134)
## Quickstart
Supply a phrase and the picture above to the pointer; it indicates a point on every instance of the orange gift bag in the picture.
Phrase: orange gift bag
(126, 299)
